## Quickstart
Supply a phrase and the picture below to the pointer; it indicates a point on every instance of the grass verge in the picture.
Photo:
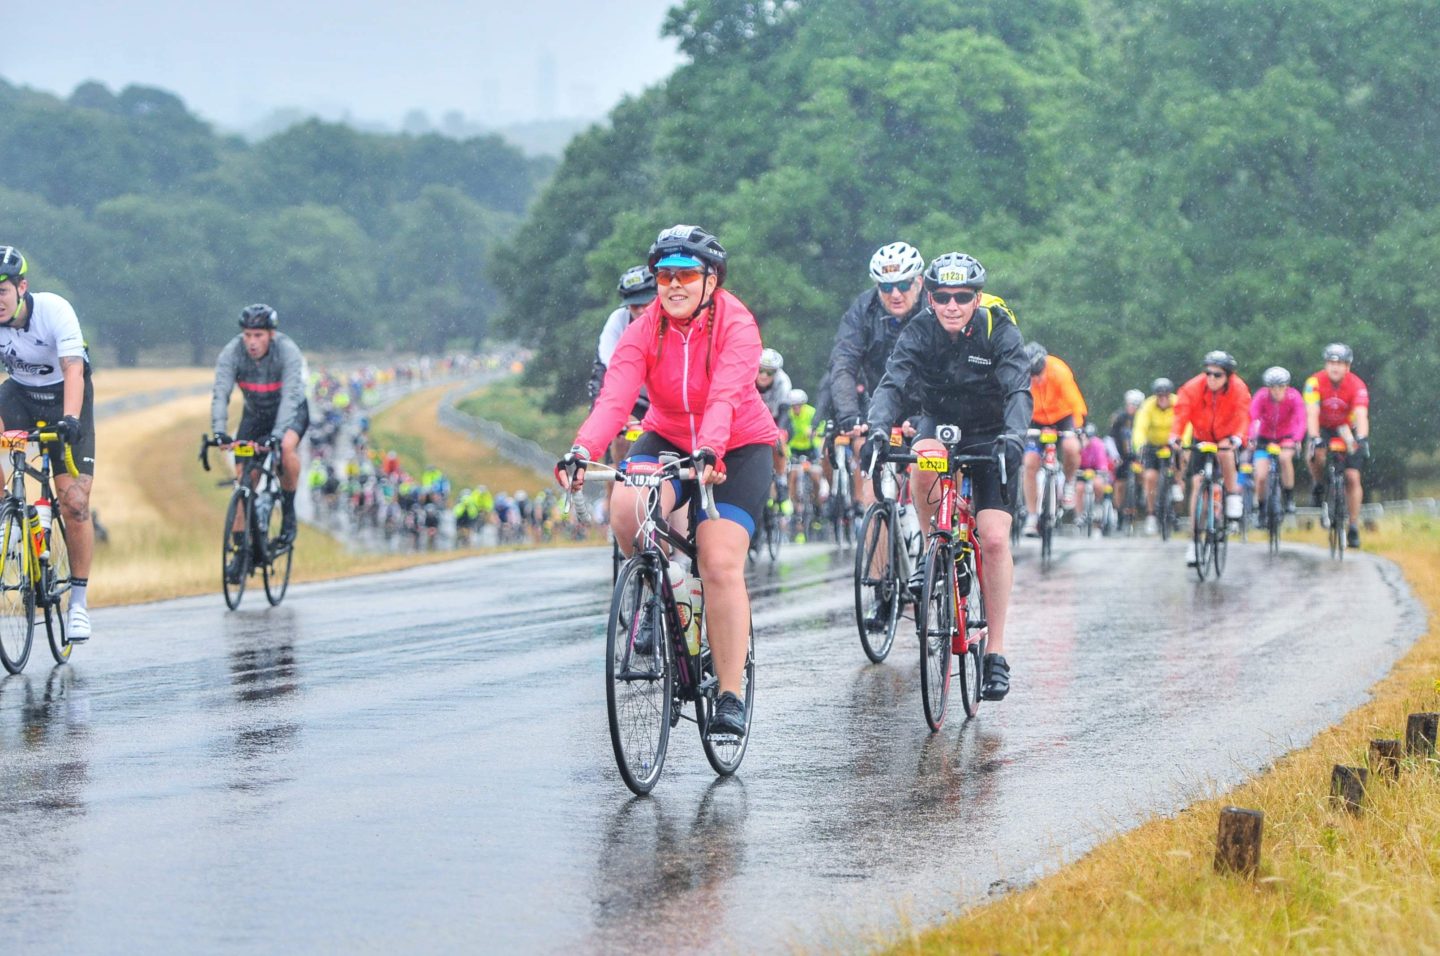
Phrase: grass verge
(410, 429)
(517, 409)
(1329, 880)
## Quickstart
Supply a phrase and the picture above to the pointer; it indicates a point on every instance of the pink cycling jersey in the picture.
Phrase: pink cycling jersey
(1280, 420)
(1094, 455)
(701, 382)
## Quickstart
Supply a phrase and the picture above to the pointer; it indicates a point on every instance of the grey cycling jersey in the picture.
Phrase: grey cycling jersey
(273, 385)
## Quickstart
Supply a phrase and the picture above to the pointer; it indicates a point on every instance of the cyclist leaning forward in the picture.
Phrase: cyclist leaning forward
(696, 350)
(963, 364)
(1337, 403)
(44, 351)
(268, 367)
(1216, 406)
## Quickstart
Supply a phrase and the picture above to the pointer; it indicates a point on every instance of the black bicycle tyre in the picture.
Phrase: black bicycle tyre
(773, 519)
(229, 550)
(639, 763)
(972, 671)
(60, 646)
(725, 756)
(1220, 548)
(278, 553)
(935, 628)
(884, 588)
(1200, 531)
(1274, 510)
(1339, 515)
(1048, 516)
(17, 594)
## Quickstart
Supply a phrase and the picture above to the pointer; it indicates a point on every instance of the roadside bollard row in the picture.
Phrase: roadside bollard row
(1237, 846)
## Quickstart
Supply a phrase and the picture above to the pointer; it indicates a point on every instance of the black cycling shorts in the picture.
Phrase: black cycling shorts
(749, 470)
(21, 406)
(257, 428)
(1151, 458)
(986, 492)
(1353, 462)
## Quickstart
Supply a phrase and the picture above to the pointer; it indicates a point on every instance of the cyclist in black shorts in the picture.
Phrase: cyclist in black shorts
(44, 351)
(268, 367)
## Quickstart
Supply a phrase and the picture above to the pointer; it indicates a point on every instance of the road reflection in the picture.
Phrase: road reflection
(661, 877)
(264, 679)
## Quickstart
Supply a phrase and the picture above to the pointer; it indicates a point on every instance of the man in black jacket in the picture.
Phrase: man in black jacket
(961, 363)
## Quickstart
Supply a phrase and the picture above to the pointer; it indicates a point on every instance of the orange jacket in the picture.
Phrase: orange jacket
(1056, 394)
(1215, 416)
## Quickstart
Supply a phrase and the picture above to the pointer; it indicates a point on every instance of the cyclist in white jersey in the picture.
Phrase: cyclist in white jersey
(44, 351)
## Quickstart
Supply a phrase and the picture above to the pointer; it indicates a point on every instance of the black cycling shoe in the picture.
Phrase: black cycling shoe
(1352, 537)
(997, 678)
(287, 527)
(917, 580)
(235, 570)
(728, 716)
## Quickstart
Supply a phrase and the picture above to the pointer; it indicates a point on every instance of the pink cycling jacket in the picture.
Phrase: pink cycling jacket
(690, 407)
(1278, 420)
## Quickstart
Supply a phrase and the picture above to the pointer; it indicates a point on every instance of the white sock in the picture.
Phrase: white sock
(77, 591)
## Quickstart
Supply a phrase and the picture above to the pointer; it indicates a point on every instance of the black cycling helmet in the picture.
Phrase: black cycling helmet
(637, 286)
(1339, 352)
(1275, 375)
(1223, 359)
(12, 265)
(1162, 386)
(955, 269)
(1036, 354)
(692, 242)
(259, 316)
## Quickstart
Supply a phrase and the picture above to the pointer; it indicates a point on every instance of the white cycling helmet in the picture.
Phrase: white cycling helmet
(771, 360)
(1134, 397)
(797, 396)
(896, 262)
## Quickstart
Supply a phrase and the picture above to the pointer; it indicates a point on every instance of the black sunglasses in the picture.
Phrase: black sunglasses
(1211, 374)
(963, 297)
(889, 287)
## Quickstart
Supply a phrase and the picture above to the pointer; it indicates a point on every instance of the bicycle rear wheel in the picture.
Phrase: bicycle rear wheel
(235, 553)
(59, 584)
(17, 594)
(773, 518)
(639, 681)
(276, 571)
(725, 753)
(972, 672)
(877, 590)
(935, 626)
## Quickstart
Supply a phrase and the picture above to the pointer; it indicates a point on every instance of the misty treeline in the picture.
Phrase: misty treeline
(1145, 180)
(161, 230)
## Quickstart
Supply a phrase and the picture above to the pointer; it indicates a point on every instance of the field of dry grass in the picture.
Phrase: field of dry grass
(111, 383)
(1330, 881)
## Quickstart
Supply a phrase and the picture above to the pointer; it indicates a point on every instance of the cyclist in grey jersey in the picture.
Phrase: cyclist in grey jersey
(270, 370)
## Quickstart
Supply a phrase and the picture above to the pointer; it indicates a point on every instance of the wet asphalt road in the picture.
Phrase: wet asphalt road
(420, 762)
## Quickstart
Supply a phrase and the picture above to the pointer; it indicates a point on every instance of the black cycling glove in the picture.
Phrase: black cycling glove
(69, 429)
(223, 438)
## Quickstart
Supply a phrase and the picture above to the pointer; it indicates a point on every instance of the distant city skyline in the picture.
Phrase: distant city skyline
(237, 66)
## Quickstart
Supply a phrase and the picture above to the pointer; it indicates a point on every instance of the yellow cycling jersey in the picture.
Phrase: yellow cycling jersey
(1152, 424)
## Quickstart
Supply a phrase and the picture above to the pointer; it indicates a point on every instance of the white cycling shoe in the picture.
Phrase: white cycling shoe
(1190, 559)
(77, 626)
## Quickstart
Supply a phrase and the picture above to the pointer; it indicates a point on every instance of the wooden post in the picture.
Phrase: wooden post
(1420, 732)
(1385, 757)
(1237, 849)
(1347, 785)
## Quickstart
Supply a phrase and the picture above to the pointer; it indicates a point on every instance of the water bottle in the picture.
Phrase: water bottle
(42, 507)
(689, 602)
(263, 504)
(32, 527)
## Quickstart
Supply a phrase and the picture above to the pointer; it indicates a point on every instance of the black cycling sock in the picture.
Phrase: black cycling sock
(287, 501)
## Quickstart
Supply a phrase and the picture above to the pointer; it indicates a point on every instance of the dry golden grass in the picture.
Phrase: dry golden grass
(1330, 881)
(466, 461)
(113, 383)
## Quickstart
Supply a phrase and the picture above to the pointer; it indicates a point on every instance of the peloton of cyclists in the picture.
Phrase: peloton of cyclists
(1215, 405)
(962, 363)
(1337, 403)
(1058, 405)
(49, 365)
(1277, 417)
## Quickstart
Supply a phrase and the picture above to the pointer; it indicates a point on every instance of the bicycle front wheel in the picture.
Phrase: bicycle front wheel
(725, 753)
(1201, 531)
(235, 552)
(935, 625)
(773, 520)
(1049, 515)
(17, 594)
(877, 590)
(971, 663)
(275, 572)
(1339, 519)
(639, 678)
(59, 584)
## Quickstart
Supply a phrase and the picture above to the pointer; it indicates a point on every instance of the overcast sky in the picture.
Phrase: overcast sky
(236, 62)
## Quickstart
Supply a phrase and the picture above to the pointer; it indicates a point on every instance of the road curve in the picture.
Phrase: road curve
(420, 760)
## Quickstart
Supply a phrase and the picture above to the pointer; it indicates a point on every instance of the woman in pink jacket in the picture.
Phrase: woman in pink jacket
(1277, 416)
(696, 349)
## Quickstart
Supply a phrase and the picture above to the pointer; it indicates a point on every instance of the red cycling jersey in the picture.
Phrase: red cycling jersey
(1337, 402)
